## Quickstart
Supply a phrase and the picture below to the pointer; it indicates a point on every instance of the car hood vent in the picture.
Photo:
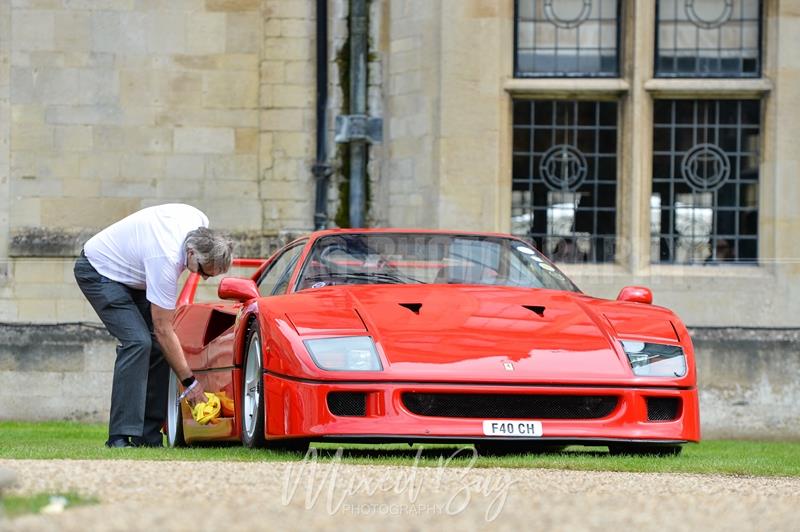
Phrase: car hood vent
(538, 309)
(413, 307)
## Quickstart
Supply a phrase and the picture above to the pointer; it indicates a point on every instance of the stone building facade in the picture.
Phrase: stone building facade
(108, 106)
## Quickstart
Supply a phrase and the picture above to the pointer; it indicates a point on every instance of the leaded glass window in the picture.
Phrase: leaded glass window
(567, 38)
(704, 205)
(564, 183)
(708, 38)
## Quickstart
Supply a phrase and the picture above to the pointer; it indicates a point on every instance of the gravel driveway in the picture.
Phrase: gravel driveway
(214, 496)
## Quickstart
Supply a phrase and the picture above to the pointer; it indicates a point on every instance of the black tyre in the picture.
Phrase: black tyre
(293, 445)
(644, 450)
(174, 423)
(253, 391)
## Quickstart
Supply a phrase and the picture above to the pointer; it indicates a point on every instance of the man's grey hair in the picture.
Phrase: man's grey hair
(211, 248)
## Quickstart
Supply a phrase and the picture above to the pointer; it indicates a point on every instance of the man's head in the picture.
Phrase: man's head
(208, 252)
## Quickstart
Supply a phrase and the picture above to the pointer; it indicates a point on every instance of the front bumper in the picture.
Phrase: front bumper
(299, 408)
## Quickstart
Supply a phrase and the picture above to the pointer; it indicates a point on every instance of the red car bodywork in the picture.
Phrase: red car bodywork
(463, 339)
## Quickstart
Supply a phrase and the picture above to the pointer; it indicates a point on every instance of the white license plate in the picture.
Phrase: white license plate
(504, 427)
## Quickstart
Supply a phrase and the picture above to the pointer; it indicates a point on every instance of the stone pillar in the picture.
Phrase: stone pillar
(472, 98)
(781, 160)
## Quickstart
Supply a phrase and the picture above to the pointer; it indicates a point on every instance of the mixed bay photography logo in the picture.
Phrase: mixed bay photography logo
(449, 488)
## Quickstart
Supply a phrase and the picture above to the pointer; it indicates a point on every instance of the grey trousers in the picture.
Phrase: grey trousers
(141, 374)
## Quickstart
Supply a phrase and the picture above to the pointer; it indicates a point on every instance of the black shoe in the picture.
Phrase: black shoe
(141, 442)
(118, 442)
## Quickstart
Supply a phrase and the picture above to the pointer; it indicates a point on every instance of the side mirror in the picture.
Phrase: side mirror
(636, 294)
(237, 289)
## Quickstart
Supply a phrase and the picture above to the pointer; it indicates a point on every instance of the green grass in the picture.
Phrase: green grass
(16, 505)
(49, 440)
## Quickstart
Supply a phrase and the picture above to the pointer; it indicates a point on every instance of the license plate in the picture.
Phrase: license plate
(504, 427)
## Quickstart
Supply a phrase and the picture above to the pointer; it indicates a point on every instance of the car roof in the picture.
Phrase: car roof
(400, 230)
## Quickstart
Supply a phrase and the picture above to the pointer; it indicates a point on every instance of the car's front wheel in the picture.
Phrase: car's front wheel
(254, 403)
(174, 414)
(253, 391)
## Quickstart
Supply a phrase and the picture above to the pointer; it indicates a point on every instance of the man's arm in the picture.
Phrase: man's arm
(171, 347)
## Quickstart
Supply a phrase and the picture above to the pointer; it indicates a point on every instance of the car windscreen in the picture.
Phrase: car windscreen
(425, 258)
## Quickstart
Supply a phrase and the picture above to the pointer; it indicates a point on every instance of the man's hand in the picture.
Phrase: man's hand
(196, 393)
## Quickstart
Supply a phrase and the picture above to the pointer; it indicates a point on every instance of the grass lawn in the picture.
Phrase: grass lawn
(21, 440)
(16, 505)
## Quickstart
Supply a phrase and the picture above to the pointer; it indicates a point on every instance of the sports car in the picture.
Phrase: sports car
(390, 335)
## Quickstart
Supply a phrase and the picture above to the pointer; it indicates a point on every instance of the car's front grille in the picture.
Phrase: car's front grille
(663, 408)
(490, 406)
(347, 403)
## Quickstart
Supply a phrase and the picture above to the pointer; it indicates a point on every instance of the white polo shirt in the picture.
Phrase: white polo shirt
(145, 250)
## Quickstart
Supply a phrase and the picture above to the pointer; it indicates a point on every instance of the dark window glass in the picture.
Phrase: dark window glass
(708, 38)
(564, 186)
(276, 277)
(566, 38)
(705, 181)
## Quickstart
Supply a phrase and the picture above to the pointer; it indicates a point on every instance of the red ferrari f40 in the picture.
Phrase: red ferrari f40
(429, 336)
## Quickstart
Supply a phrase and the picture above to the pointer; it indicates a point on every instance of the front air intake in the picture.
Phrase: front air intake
(660, 409)
(510, 406)
(347, 403)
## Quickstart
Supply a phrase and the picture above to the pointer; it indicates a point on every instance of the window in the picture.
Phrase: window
(567, 38)
(705, 181)
(276, 278)
(565, 178)
(708, 38)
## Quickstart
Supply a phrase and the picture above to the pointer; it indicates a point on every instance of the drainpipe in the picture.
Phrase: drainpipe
(358, 107)
(321, 169)
(356, 128)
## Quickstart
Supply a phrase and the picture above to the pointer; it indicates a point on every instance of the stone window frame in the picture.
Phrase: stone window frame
(636, 89)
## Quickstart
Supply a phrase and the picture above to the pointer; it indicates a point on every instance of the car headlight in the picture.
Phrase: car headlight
(655, 360)
(349, 353)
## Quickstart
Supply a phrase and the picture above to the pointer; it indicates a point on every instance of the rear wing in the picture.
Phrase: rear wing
(189, 289)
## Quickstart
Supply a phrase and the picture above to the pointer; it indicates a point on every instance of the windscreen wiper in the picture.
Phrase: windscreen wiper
(384, 277)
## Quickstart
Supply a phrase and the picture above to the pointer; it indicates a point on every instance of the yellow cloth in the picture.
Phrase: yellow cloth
(208, 411)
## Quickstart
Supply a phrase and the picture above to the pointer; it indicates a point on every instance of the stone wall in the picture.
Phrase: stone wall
(747, 378)
(55, 372)
(116, 105)
(287, 114)
(107, 107)
(412, 93)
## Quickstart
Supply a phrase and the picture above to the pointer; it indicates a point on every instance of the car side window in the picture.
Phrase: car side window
(280, 271)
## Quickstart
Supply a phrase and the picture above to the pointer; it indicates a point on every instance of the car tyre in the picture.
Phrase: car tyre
(253, 401)
(174, 422)
(644, 450)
